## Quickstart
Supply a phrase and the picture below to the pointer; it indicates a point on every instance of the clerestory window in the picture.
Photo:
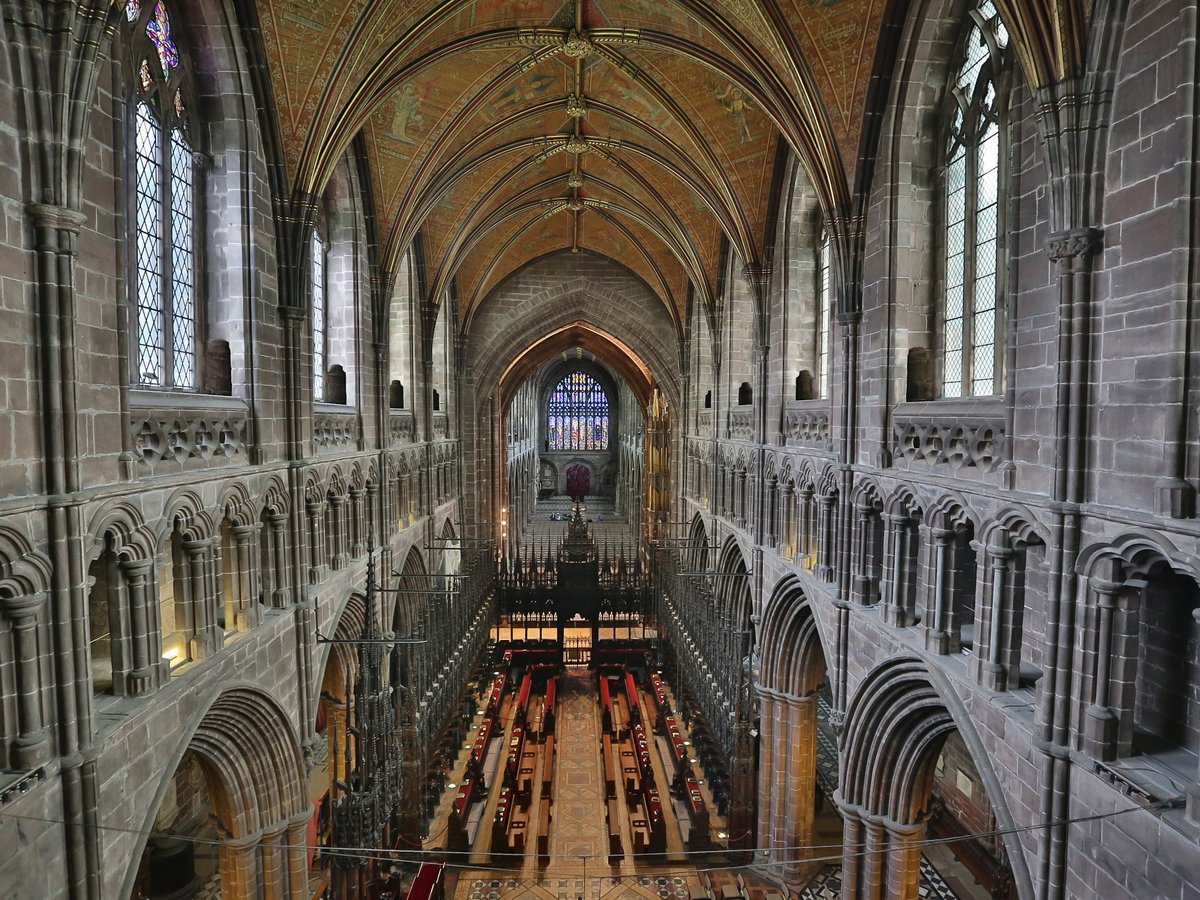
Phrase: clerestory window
(320, 313)
(973, 211)
(165, 182)
(824, 313)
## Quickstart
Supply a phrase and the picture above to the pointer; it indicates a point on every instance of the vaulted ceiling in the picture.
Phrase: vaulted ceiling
(504, 130)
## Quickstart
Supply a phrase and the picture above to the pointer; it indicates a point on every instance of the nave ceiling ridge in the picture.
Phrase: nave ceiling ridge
(471, 108)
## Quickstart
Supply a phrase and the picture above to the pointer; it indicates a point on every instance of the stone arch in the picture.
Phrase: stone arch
(1012, 574)
(24, 639)
(339, 668)
(731, 588)
(895, 728)
(951, 575)
(1139, 621)
(124, 524)
(186, 513)
(793, 673)
(250, 756)
(903, 540)
(696, 556)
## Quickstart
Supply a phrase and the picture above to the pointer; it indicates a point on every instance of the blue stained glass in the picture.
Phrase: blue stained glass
(159, 30)
(578, 414)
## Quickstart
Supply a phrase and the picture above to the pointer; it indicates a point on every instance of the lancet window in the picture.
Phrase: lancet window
(164, 178)
(973, 210)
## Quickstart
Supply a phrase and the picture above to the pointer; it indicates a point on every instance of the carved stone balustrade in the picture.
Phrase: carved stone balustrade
(441, 426)
(175, 431)
(402, 426)
(806, 424)
(958, 434)
(741, 424)
(335, 428)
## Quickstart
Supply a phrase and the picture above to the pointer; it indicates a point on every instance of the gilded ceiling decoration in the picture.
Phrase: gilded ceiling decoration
(644, 130)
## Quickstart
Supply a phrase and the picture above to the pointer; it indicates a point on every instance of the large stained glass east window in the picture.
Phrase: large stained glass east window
(163, 199)
(578, 414)
(973, 210)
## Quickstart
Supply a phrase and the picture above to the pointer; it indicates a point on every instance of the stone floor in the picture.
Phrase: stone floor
(549, 520)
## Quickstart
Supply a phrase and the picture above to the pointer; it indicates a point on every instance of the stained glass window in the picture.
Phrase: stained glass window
(163, 199)
(319, 323)
(972, 211)
(824, 314)
(578, 414)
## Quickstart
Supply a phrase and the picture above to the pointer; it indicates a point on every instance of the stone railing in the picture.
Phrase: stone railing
(441, 426)
(173, 431)
(402, 426)
(741, 423)
(335, 428)
(806, 424)
(961, 434)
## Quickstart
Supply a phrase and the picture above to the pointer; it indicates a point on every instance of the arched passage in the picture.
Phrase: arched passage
(898, 735)
(245, 759)
(791, 675)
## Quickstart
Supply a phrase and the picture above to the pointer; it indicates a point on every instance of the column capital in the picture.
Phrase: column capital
(47, 215)
(1074, 243)
(22, 606)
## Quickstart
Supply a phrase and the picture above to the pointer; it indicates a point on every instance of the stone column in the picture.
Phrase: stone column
(280, 595)
(874, 861)
(245, 569)
(860, 586)
(937, 635)
(239, 866)
(273, 856)
(825, 549)
(139, 668)
(902, 878)
(807, 539)
(356, 531)
(766, 767)
(853, 834)
(997, 670)
(1100, 721)
(31, 746)
(338, 518)
(297, 855)
(372, 516)
(206, 637)
(802, 780)
(315, 513)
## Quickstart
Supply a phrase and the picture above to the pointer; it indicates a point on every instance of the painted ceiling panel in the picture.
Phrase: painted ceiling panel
(679, 105)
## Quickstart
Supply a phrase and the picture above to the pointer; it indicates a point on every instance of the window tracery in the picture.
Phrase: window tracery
(973, 213)
(578, 414)
(164, 191)
(320, 323)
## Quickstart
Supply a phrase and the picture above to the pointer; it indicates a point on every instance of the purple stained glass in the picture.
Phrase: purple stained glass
(159, 30)
(132, 8)
(578, 414)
